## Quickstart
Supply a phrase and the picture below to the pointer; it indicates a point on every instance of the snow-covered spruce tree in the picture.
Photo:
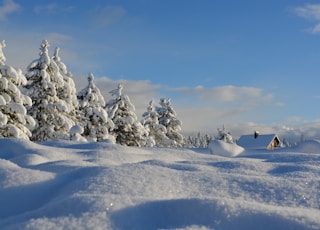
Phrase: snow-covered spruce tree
(168, 118)
(156, 132)
(224, 135)
(67, 93)
(14, 121)
(127, 129)
(95, 121)
(50, 112)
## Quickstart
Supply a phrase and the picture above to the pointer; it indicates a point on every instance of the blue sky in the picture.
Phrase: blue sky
(245, 64)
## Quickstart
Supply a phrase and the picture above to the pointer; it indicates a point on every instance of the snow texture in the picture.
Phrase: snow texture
(14, 121)
(156, 132)
(53, 96)
(168, 118)
(94, 120)
(2, 57)
(127, 129)
(99, 185)
(222, 148)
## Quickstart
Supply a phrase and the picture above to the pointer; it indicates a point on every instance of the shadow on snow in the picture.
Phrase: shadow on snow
(183, 213)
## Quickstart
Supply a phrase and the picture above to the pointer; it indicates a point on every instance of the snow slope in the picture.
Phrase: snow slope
(70, 185)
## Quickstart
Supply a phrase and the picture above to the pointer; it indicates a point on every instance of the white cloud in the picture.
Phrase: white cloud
(8, 7)
(309, 11)
(227, 94)
(108, 15)
(305, 130)
(315, 29)
(50, 8)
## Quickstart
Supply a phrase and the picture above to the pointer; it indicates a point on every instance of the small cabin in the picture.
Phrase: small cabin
(259, 141)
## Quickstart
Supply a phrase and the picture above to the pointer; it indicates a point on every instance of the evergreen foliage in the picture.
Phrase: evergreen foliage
(156, 132)
(168, 118)
(67, 93)
(224, 135)
(198, 141)
(14, 121)
(95, 121)
(44, 83)
(127, 130)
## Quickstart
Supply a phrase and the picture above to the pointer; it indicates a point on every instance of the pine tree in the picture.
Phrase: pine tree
(14, 121)
(127, 130)
(67, 93)
(95, 121)
(156, 132)
(50, 112)
(168, 118)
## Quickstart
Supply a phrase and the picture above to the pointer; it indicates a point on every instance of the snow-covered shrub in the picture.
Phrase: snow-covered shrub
(76, 134)
(224, 135)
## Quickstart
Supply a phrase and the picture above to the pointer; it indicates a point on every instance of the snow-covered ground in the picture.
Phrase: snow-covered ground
(70, 185)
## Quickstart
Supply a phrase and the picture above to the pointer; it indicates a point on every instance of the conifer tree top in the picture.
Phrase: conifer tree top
(90, 78)
(56, 54)
(44, 56)
(2, 57)
(117, 92)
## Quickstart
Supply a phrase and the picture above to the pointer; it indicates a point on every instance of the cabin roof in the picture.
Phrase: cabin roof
(262, 141)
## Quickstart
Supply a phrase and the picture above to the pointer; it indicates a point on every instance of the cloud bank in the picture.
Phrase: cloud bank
(201, 109)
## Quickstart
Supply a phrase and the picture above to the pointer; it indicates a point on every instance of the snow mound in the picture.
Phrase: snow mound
(223, 148)
(98, 185)
(199, 214)
(29, 160)
(11, 175)
(309, 146)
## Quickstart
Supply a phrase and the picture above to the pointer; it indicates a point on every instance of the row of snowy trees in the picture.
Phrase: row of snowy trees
(43, 105)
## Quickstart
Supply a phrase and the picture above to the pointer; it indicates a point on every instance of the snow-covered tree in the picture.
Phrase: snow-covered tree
(156, 132)
(224, 135)
(168, 118)
(50, 112)
(2, 56)
(67, 93)
(127, 130)
(95, 121)
(14, 121)
(198, 141)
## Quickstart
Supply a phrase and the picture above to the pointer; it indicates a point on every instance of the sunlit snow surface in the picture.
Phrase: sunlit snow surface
(69, 185)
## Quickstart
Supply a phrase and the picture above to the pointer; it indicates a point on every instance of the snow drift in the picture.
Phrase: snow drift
(308, 146)
(72, 185)
(223, 148)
